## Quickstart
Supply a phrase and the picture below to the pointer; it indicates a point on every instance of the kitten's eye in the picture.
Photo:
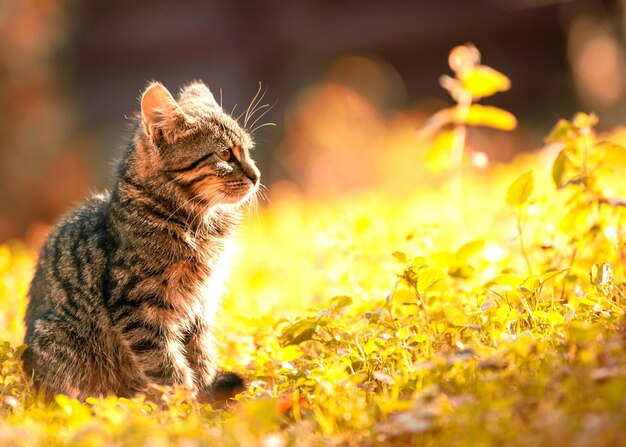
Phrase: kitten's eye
(225, 154)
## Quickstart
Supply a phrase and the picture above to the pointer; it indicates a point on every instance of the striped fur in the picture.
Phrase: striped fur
(127, 285)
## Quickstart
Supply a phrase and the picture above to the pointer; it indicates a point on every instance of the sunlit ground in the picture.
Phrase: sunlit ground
(468, 348)
(399, 294)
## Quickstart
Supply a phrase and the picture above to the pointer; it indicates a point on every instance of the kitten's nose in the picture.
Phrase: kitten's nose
(254, 178)
(253, 174)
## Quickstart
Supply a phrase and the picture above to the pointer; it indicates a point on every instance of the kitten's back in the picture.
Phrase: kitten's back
(72, 258)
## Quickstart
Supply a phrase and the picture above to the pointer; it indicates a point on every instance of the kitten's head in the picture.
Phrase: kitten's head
(190, 146)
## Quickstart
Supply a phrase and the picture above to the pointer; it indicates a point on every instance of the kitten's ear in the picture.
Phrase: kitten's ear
(197, 92)
(161, 115)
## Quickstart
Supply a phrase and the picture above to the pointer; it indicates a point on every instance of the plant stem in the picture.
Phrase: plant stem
(521, 223)
(459, 136)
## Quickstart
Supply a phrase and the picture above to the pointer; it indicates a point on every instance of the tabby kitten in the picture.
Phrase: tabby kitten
(127, 285)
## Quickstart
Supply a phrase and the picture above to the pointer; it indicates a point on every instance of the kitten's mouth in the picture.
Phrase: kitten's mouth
(240, 191)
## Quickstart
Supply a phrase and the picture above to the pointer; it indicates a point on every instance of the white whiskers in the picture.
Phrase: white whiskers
(269, 108)
(258, 97)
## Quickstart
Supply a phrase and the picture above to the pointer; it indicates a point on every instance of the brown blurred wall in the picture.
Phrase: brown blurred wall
(72, 72)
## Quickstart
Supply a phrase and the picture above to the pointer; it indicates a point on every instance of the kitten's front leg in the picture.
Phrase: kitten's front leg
(213, 386)
(163, 361)
(200, 349)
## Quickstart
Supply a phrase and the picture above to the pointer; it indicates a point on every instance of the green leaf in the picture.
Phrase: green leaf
(558, 169)
(520, 190)
(401, 257)
(483, 81)
(404, 296)
(341, 301)
(428, 278)
(299, 332)
(468, 250)
(439, 154)
(291, 352)
(489, 116)
(561, 131)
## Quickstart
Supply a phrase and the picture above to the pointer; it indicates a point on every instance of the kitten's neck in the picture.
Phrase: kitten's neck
(152, 209)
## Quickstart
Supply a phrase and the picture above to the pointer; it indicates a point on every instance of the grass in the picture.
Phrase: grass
(481, 308)
(385, 321)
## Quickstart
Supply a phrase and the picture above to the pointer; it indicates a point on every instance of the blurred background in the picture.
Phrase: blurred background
(350, 81)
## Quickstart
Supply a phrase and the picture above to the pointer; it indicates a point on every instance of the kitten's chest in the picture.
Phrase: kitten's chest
(177, 287)
(194, 286)
(182, 278)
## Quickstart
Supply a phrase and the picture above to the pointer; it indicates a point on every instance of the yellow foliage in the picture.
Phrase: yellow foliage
(394, 319)
(490, 116)
(482, 81)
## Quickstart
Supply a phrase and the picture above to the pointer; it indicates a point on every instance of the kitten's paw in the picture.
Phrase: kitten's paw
(224, 387)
